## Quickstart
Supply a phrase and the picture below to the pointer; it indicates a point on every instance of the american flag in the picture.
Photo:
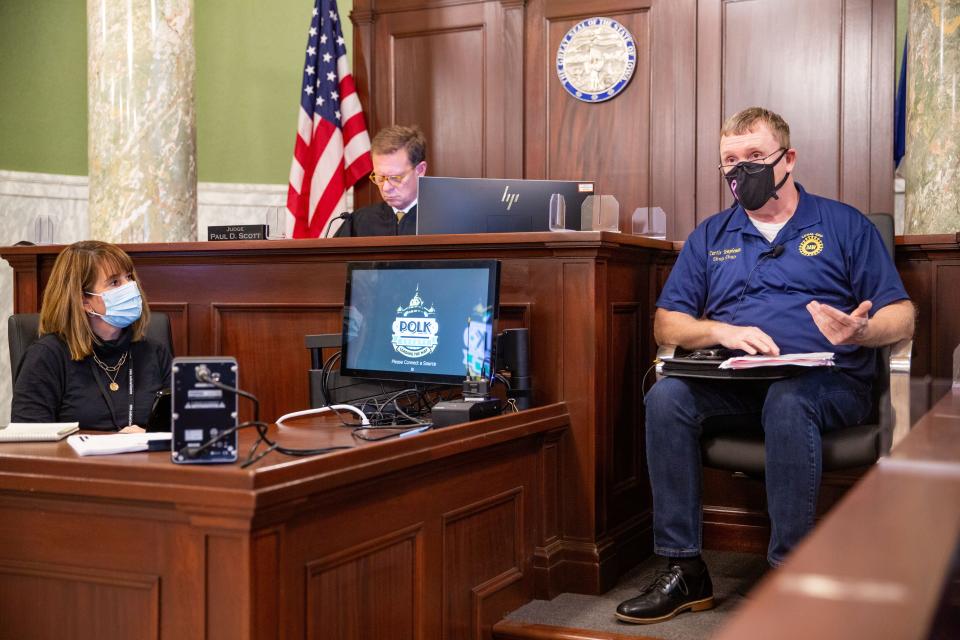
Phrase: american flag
(332, 151)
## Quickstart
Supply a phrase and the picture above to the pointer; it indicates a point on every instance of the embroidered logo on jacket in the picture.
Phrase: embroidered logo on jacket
(811, 244)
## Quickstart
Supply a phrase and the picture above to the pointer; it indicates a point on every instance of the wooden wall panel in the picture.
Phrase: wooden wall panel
(369, 592)
(179, 324)
(638, 146)
(930, 266)
(108, 580)
(114, 604)
(453, 68)
(529, 284)
(438, 89)
(260, 364)
(482, 545)
(585, 137)
(489, 96)
(265, 563)
(830, 75)
(626, 470)
(227, 556)
(945, 318)
(786, 61)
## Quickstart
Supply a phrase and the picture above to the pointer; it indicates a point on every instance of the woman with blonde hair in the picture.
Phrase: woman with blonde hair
(92, 363)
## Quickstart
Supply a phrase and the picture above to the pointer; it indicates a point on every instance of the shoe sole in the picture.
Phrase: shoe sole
(696, 605)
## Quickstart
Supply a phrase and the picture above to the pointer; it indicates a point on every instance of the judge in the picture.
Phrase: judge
(399, 159)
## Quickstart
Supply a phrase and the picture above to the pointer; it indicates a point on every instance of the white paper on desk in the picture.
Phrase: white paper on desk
(818, 359)
(110, 443)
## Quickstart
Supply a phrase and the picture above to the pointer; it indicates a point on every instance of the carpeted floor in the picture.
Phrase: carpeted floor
(733, 575)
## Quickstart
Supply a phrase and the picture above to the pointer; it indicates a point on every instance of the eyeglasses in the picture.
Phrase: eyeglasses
(750, 166)
(394, 180)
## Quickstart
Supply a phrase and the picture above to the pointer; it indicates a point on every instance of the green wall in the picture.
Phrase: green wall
(43, 86)
(250, 56)
(903, 20)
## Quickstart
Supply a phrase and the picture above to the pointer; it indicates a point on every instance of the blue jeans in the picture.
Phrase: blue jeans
(793, 413)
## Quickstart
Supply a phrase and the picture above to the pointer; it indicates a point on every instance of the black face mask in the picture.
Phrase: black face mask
(752, 183)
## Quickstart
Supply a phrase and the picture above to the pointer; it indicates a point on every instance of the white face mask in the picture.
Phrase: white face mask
(123, 305)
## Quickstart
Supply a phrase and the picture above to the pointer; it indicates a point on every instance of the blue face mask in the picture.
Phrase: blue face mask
(123, 305)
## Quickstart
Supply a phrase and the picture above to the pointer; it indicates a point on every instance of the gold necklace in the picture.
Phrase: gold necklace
(112, 372)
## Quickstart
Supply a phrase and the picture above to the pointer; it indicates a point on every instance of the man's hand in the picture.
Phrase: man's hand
(839, 327)
(675, 327)
(749, 339)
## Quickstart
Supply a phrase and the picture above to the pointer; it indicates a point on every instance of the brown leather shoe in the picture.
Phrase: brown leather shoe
(672, 591)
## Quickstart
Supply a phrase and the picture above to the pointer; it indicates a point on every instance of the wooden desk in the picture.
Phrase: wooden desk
(424, 537)
(587, 298)
(877, 564)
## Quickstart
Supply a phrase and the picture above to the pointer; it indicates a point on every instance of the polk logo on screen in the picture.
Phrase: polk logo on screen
(509, 198)
(415, 329)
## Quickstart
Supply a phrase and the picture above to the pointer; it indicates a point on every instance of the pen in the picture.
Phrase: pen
(413, 431)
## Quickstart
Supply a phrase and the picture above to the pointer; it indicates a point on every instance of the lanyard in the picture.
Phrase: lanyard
(130, 392)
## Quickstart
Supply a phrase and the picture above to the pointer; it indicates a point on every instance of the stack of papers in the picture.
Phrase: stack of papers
(37, 431)
(819, 359)
(110, 443)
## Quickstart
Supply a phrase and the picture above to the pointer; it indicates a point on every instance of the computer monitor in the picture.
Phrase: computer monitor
(429, 321)
(488, 205)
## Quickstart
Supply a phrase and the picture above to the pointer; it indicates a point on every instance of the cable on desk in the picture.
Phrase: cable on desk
(261, 427)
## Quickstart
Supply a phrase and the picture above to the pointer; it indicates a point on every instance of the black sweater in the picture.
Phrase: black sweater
(53, 388)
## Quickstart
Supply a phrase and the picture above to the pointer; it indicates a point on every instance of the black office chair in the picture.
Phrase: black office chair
(22, 330)
(733, 448)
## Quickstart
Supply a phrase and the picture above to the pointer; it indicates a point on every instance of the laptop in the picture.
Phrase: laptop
(705, 363)
(493, 205)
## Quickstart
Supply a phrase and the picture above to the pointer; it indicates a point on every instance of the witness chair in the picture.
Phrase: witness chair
(729, 446)
(22, 329)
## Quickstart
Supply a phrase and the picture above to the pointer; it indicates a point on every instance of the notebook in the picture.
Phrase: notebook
(104, 444)
(37, 432)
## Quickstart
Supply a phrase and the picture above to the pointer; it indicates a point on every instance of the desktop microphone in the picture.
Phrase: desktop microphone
(346, 215)
(773, 253)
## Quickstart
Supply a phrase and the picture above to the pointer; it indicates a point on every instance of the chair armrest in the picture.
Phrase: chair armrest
(900, 354)
(664, 352)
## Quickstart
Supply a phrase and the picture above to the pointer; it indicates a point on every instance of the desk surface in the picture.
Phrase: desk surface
(55, 467)
(876, 566)
(398, 243)
(935, 440)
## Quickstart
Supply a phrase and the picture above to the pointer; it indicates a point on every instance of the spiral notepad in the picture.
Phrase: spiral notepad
(37, 432)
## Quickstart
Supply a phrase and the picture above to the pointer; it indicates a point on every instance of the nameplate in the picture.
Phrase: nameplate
(237, 232)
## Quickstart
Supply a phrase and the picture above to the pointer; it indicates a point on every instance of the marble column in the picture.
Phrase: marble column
(932, 162)
(142, 124)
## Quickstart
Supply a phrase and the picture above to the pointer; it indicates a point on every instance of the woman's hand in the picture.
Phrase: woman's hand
(133, 429)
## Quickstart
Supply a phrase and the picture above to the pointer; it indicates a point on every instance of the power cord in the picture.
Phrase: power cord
(261, 427)
(325, 372)
(324, 409)
(643, 383)
(387, 421)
